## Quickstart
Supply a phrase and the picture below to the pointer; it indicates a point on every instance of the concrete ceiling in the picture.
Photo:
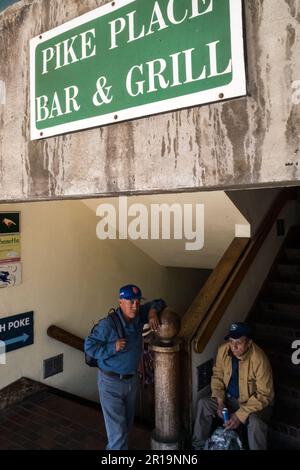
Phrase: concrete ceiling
(221, 222)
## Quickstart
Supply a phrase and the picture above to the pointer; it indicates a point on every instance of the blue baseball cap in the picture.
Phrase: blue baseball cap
(130, 292)
(239, 329)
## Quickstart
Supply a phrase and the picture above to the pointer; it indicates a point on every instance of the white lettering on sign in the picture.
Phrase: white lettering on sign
(152, 72)
(137, 53)
(2, 328)
(18, 323)
(63, 53)
(157, 21)
(46, 110)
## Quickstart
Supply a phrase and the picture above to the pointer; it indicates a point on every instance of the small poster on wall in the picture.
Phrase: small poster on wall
(10, 274)
(10, 250)
(9, 222)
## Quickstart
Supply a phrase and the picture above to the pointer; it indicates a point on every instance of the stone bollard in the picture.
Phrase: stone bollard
(166, 435)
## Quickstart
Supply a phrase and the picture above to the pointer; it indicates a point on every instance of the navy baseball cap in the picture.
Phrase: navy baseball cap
(238, 329)
(130, 292)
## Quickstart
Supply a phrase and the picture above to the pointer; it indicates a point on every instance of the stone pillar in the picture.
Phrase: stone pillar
(166, 435)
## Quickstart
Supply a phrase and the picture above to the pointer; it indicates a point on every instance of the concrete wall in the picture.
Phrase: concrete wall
(248, 142)
(71, 279)
(246, 293)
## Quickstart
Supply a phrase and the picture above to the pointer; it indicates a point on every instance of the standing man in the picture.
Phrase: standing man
(242, 381)
(118, 361)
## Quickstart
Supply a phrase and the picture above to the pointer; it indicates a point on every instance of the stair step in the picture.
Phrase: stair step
(293, 238)
(287, 389)
(280, 356)
(286, 416)
(289, 271)
(292, 254)
(291, 262)
(274, 317)
(280, 333)
(285, 286)
(290, 289)
(280, 305)
(276, 325)
(285, 427)
(282, 441)
(273, 347)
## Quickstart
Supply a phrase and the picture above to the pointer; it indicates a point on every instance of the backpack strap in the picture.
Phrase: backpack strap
(116, 321)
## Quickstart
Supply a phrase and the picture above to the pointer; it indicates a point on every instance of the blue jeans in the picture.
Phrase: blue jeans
(117, 398)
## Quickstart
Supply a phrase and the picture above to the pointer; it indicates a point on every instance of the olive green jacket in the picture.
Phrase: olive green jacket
(255, 379)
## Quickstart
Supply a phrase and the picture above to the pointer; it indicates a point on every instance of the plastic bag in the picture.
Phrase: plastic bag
(223, 440)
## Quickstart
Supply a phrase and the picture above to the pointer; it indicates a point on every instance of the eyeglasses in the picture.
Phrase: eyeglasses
(132, 301)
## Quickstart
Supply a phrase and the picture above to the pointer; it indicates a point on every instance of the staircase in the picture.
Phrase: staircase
(49, 419)
(275, 320)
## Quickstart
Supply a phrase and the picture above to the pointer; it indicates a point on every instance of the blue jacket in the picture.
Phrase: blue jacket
(101, 343)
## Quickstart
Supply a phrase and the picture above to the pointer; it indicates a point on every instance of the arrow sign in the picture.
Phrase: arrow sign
(18, 339)
(16, 331)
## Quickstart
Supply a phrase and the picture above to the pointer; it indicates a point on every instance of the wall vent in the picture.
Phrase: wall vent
(204, 373)
(53, 365)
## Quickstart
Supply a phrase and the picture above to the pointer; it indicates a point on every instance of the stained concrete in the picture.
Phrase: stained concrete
(248, 142)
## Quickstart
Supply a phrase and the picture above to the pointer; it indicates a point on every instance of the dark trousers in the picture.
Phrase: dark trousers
(256, 424)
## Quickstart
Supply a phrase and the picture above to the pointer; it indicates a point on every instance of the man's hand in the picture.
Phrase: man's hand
(220, 407)
(153, 320)
(233, 422)
(121, 344)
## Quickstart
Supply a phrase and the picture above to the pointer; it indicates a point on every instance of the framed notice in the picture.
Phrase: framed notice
(9, 222)
(10, 274)
(10, 250)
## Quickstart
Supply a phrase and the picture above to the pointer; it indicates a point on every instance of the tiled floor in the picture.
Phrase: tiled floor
(48, 421)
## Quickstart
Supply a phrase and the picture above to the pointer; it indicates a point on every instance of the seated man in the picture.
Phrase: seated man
(242, 381)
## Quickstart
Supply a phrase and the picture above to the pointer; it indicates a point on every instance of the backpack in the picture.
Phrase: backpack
(116, 324)
(223, 440)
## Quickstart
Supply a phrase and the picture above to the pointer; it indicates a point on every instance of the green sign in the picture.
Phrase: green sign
(132, 58)
(5, 3)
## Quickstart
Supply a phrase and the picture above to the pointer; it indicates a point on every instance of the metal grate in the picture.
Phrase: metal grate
(53, 365)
